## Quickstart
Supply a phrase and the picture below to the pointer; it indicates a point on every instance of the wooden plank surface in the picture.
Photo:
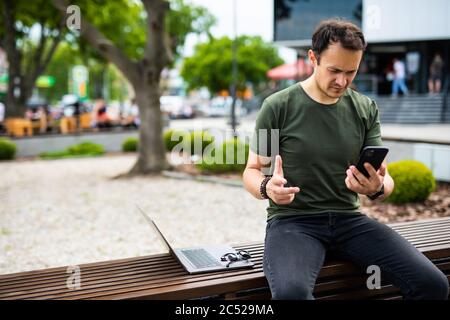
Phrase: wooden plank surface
(161, 277)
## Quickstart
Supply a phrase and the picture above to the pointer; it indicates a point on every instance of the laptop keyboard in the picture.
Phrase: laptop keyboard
(200, 258)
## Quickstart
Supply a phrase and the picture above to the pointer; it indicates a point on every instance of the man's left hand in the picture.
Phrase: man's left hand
(358, 183)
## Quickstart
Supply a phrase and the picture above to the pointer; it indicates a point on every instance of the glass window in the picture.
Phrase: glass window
(297, 19)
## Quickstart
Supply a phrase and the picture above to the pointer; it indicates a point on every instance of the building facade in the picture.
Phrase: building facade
(410, 30)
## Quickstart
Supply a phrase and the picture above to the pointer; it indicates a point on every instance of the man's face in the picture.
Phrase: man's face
(336, 70)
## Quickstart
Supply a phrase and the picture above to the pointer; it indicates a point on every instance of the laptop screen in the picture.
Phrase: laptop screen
(156, 229)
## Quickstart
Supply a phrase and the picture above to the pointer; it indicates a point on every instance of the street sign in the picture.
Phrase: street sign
(80, 79)
(45, 81)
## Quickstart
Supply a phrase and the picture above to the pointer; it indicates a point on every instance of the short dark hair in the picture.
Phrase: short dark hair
(337, 31)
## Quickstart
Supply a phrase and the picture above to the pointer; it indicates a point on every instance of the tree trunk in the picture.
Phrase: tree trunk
(22, 80)
(151, 153)
(14, 107)
(144, 76)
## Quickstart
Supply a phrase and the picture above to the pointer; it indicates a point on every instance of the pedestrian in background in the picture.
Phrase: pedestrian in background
(399, 81)
(436, 70)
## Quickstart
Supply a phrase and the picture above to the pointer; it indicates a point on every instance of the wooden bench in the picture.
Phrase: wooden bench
(85, 121)
(161, 277)
(18, 127)
(68, 125)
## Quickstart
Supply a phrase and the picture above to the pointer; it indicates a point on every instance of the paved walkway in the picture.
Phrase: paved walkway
(70, 211)
(429, 133)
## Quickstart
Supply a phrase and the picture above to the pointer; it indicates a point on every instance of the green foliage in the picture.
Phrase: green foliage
(118, 89)
(55, 155)
(121, 21)
(126, 31)
(65, 57)
(226, 158)
(84, 149)
(413, 181)
(37, 28)
(130, 145)
(29, 13)
(124, 22)
(189, 140)
(201, 139)
(185, 18)
(212, 61)
(7, 149)
(177, 136)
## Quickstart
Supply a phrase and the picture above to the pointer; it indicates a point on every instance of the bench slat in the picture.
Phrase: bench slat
(422, 222)
(112, 277)
(319, 275)
(104, 274)
(161, 277)
(364, 293)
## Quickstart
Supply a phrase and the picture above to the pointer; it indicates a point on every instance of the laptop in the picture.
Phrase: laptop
(202, 258)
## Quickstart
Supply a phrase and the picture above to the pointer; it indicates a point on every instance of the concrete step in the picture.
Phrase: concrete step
(411, 109)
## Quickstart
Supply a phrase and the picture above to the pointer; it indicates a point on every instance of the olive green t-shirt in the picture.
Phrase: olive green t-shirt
(317, 144)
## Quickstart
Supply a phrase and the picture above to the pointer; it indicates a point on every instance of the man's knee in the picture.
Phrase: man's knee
(292, 291)
(438, 287)
(433, 286)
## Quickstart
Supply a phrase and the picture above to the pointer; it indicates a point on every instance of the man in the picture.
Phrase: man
(436, 72)
(320, 126)
(399, 81)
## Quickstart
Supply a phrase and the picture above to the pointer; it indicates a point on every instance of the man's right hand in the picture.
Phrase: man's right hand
(275, 187)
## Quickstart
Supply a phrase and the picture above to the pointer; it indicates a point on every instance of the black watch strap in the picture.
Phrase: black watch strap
(378, 194)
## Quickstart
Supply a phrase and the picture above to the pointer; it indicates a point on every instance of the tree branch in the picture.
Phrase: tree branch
(38, 53)
(43, 61)
(12, 53)
(40, 66)
(104, 46)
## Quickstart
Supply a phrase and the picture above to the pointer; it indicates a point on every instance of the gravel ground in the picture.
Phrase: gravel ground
(72, 211)
(68, 212)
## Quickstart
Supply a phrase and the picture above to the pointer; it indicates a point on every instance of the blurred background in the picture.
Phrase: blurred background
(95, 95)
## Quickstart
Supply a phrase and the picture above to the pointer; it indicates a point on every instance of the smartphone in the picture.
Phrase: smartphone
(372, 155)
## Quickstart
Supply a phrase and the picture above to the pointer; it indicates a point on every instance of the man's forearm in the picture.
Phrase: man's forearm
(252, 181)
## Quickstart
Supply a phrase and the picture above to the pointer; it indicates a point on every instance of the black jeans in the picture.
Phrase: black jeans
(295, 250)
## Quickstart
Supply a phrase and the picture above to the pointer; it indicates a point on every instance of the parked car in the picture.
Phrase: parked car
(176, 107)
(221, 107)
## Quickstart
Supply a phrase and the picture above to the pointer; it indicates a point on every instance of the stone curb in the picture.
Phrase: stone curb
(202, 178)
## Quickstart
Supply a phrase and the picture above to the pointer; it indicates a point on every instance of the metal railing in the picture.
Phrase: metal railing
(446, 89)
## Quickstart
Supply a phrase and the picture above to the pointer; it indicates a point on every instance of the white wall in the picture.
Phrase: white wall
(435, 157)
(406, 20)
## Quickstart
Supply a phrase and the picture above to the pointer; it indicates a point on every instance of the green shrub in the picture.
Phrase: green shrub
(199, 138)
(84, 149)
(55, 154)
(168, 138)
(231, 150)
(413, 181)
(7, 149)
(130, 145)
